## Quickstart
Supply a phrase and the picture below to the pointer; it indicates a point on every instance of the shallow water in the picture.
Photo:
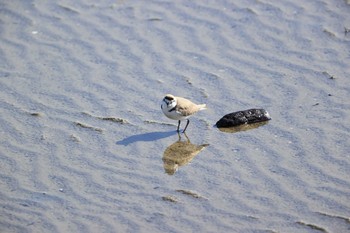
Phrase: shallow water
(84, 146)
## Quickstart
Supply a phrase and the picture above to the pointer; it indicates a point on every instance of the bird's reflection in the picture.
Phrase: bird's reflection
(180, 153)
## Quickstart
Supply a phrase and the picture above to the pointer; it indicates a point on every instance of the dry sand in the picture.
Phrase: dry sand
(82, 136)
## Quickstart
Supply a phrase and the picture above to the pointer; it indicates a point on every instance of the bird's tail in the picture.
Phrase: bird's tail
(202, 106)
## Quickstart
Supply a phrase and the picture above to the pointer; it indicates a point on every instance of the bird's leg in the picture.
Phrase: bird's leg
(178, 134)
(188, 121)
(178, 126)
(188, 140)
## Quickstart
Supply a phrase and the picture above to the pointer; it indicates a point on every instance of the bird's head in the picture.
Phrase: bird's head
(170, 100)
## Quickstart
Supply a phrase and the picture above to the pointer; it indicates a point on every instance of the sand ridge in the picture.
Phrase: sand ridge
(82, 134)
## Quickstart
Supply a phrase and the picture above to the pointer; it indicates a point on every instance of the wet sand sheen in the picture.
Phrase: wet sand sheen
(85, 146)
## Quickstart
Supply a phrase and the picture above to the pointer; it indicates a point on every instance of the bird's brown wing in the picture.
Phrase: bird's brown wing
(186, 107)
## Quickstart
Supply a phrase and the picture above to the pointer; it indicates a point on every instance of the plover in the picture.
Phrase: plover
(178, 108)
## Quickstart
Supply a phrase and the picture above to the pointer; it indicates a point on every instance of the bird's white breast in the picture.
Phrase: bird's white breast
(173, 114)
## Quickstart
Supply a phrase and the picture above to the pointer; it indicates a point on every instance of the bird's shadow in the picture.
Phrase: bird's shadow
(146, 137)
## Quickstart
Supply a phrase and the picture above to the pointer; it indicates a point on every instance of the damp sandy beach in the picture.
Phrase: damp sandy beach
(85, 147)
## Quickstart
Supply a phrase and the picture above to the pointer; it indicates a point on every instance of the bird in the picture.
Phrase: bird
(179, 108)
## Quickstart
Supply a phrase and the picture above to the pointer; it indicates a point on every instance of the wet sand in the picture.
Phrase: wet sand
(85, 147)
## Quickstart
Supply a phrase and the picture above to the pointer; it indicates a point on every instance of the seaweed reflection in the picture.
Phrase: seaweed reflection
(243, 127)
(180, 153)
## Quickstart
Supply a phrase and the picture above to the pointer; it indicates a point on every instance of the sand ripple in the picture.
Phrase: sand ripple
(82, 136)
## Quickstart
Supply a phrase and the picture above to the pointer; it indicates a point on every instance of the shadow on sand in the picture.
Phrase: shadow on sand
(146, 137)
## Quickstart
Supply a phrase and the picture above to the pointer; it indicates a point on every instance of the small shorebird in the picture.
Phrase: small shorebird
(178, 108)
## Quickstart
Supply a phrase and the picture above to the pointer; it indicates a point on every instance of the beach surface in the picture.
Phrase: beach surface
(85, 147)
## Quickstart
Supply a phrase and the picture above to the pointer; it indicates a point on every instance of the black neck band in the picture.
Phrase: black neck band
(173, 109)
